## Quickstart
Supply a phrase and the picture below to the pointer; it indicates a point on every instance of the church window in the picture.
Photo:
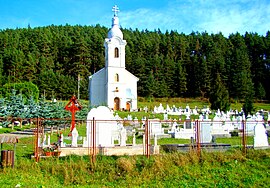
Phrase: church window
(116, 52)
(116, 78)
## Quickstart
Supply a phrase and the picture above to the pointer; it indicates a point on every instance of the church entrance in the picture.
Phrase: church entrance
(116, 103)
(128, 105)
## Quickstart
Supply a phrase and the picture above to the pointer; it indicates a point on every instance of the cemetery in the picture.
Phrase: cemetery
(114, 138)
(119, 137)
(106, 133)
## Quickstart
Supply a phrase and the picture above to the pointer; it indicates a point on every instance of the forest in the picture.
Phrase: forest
(170, 64)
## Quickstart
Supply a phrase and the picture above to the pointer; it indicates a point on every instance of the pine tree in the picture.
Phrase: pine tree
(219, 96)
(240, 73)
(180, 81)
(249, 97)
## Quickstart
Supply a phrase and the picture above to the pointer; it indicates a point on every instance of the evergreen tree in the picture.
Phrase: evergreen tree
(1, 72)
(181, 81)
(219, 96)
(240, 73)
(260, 92)
(249, 97)
(52, 57)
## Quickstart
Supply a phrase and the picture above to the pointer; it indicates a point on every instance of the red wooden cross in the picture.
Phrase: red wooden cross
(73, 106)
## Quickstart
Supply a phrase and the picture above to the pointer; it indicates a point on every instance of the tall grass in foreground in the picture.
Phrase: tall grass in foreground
(229, 169)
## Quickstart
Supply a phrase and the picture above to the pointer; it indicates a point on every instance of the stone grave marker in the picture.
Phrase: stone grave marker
(106, 125)
(260, 136)
(205, 132)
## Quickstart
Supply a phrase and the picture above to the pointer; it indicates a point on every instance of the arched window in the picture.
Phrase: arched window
(116, 52)
(116, 77)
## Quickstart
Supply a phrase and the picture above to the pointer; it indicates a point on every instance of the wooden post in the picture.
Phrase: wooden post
(198, 142)
(244, 143)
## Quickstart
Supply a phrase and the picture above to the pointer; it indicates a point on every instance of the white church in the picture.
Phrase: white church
(113, 85)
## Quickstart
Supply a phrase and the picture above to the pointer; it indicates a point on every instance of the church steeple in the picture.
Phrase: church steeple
(115, 30)
(113, 85)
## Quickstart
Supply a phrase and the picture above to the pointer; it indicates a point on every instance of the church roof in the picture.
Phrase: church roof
(132, 75)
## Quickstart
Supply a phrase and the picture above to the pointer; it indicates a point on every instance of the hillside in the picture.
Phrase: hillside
(168, 64)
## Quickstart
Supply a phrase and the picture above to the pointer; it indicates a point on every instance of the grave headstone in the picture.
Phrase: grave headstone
(104, 128)
(62, 144)
(123, 136)
(165, 116)
(260, 136)
(156, 127)
(160, 108)
(187, 124)
(74, 137)
(205, 132)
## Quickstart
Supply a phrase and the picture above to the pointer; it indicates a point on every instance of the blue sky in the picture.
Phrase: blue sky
(212, 16)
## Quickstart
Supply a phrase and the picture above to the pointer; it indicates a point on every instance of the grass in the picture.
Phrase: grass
(216, 169)
(192, 102)
(229, 169)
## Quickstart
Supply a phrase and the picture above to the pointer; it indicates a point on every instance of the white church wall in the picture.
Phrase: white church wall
(97, 89)
(110, 45)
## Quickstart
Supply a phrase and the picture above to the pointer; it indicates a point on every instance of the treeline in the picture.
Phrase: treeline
(169, 64)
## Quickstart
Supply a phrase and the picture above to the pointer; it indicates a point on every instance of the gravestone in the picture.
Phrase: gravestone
(74, 137)
(205, 132)
(250, 123)
(62, 144)
(165, 116)
(44, 141)
(160, 108)
(106, 125)
(260, 136)
(156, 128)
(187, 124)
(123, 136)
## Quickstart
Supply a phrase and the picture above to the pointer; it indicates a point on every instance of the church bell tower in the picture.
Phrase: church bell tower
(113, 85)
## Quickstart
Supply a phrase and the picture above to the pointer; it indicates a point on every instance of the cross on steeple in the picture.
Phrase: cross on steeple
(115, 9)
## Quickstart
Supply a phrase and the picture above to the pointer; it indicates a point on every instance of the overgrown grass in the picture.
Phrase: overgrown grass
(229, 169)
(215, 169)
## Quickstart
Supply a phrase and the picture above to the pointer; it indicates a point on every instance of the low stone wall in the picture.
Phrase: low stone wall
(116, 150)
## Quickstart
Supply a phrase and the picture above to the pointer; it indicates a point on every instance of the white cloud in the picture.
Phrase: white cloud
(213, 16)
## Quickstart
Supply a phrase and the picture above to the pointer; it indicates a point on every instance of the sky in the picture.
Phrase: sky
(183, 16)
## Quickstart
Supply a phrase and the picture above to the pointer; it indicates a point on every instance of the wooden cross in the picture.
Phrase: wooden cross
(73, 106)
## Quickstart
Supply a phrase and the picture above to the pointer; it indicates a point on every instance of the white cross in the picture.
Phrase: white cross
(115, 9)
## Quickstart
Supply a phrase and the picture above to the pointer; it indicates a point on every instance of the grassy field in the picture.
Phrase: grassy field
(192, 102)
(226, 169)
(214, 169)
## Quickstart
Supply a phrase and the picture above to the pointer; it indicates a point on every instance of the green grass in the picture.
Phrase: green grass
(229, 169)
(192, 102)
(215, 169)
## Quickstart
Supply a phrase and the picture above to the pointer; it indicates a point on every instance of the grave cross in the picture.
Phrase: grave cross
(115, 9)
(73, 106)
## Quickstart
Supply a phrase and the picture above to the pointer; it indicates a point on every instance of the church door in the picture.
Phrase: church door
(128, 106)
(116, 103)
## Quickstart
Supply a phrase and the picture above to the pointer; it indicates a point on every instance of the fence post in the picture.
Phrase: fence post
(198, 142)
(147, 139)
(244, 141)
